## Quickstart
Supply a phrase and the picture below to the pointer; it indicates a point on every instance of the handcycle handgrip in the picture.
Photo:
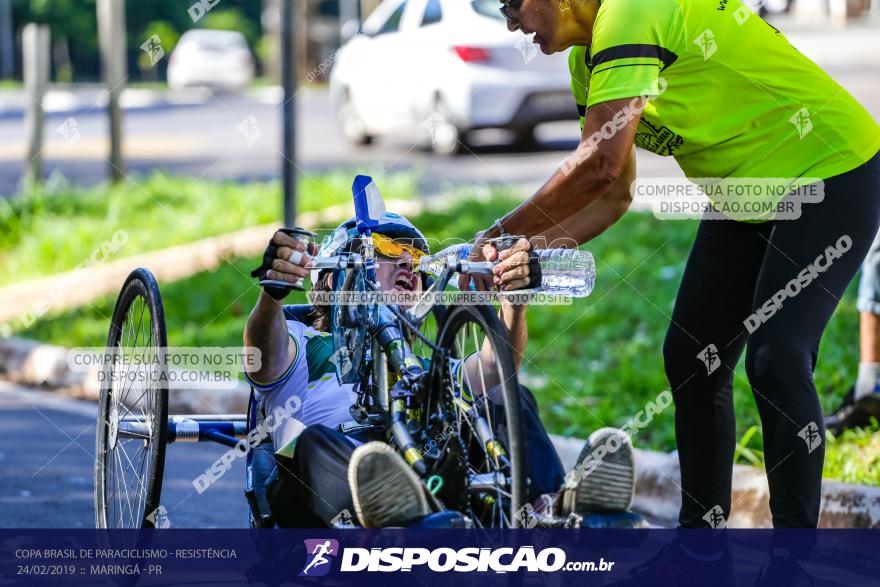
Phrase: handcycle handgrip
(352, 261)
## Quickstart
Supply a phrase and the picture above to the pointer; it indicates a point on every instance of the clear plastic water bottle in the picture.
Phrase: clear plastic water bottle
(563, 271)
(434, 264)
(570, 271)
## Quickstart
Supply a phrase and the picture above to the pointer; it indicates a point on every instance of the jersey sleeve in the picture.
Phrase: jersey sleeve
(295, 332)
(633, 41)
(578, 57)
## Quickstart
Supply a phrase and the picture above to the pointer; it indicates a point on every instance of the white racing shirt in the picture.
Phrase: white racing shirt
(311, 383)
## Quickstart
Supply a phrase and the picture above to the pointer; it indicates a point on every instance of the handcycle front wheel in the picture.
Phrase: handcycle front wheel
(469, 425)
(132, 419)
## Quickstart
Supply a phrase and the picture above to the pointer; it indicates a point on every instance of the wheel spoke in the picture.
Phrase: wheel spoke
(139, 481)
(483, 386)
(124, 486)
(137, 334)
(465, 332)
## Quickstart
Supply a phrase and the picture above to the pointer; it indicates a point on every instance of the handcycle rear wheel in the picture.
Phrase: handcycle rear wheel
(132, 410)
(495, 485)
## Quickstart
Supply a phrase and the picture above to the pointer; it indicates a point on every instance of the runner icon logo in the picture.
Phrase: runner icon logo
(343, 519)
(715, 518)
(710, 358)
(810, 434)
(159, 518)
(802, 122)
(706, 42)
(321, 552)
(527, 516)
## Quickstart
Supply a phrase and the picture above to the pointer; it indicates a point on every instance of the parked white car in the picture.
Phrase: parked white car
(444, 68)
(211, 58)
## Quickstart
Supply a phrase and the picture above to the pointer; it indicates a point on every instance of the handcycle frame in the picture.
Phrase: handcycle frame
(231, 430)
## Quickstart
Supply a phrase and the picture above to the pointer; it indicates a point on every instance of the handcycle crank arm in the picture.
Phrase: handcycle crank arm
(411, 453)
(488, 481)
(493, 448)
(475, 267)
(321, 263)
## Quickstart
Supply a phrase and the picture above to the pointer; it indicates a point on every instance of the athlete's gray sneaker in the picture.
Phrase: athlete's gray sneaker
(604, 477)
(385, 490)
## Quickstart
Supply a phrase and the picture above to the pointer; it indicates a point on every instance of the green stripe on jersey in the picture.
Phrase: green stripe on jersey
(319, 351)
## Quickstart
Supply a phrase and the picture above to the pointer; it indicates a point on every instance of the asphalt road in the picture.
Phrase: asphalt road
(47, 445)
(203, 139)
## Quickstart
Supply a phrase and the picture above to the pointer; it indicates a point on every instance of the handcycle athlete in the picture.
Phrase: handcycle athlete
(327, 466)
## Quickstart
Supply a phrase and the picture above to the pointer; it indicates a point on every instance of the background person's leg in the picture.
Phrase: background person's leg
(869, 323)
(862, 401)
(782, 352)
(714, 298)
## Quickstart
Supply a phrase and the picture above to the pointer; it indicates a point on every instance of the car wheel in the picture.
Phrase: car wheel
(524, 138)
(446, 138)
(353, 126)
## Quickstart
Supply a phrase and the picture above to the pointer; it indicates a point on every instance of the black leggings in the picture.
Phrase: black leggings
(735, 268)
(312, 488)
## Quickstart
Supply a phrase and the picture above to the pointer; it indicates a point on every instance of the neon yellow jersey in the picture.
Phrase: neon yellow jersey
(731, 98)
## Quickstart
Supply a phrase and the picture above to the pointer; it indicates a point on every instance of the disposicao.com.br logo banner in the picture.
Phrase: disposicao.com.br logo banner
(392, 558)
(443, 559)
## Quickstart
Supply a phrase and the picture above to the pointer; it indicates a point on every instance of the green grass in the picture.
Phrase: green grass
(49, 231)
(594, 363)
(854, 457)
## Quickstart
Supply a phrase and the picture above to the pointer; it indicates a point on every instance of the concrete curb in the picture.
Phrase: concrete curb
(82, 99)
(658, 493)
(30, 363)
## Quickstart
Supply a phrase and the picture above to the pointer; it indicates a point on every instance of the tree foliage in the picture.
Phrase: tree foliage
(76, 21)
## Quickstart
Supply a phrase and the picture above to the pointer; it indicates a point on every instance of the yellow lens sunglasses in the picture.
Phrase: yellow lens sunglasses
(388, 247)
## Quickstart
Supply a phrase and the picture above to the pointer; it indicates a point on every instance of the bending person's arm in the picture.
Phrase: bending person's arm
(596, 218)
(596, 167)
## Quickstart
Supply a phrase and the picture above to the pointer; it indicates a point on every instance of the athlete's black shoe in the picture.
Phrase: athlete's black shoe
(385, 490)
(604, 478)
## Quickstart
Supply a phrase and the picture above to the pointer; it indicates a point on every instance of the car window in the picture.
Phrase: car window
(216, 42)
(433, 13)
(393, 23)
(487, 8)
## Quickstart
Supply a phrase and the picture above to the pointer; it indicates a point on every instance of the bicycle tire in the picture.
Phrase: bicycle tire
(454, 318)
(140, 287)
